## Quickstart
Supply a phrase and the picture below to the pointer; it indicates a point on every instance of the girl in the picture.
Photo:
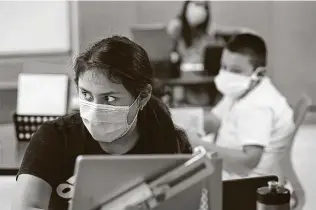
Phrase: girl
(118, 115)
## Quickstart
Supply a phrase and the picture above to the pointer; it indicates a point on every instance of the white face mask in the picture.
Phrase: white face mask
(195, 14)
(233, 84)
(106, 123)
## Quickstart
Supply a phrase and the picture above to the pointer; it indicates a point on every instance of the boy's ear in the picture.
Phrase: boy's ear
(260, 71)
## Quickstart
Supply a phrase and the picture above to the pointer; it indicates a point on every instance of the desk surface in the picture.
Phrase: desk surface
(11, 150)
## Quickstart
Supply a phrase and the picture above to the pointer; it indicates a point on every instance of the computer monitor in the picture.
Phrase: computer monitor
(154, 39)
(52, 89)
(242, 193)
(100, 178)
(212, 59)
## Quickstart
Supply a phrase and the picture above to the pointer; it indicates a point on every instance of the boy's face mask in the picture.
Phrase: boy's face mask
(195, 14)
(106, 123)
(234, 85)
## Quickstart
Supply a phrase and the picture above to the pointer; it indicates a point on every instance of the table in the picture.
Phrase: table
(11, 150)
(189, 81)
(178, 86)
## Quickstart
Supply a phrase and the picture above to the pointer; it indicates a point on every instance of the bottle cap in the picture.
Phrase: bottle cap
(273, 194)
(273, 185)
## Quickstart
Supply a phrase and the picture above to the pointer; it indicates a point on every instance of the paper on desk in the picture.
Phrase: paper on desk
(42, 94)
(189, 118)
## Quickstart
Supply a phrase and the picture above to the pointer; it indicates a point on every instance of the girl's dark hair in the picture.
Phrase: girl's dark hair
(251, 45)
(186, 31)
(125, 62)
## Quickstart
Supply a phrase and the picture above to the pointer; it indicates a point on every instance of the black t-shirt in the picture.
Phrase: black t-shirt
(52, 152)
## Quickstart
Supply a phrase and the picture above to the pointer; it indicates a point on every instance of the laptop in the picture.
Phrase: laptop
(154, 39)
(112, 175)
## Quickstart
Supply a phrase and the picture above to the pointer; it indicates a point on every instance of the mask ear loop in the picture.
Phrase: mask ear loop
(255, 75)
(254, 78)
(141, 96)
(139, 108)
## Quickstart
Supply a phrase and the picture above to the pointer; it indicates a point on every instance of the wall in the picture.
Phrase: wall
(294, 44)
(157, 11)
(288, 28)
(10, 71)
(100, 19)
(55, 40)
(28, 26)
(11, 68)
(255, 15)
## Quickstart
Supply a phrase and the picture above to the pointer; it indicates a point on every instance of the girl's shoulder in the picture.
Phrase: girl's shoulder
(183, 141)
(66, 129)
(66, 121)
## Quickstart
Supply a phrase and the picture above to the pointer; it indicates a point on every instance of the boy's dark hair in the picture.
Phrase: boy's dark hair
(251, 45)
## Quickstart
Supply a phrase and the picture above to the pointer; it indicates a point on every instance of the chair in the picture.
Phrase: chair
(300, 111)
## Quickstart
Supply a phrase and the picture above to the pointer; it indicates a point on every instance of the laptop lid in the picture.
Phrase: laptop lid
(115, 174)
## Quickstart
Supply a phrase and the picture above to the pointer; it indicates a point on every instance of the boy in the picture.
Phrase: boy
(253, 120)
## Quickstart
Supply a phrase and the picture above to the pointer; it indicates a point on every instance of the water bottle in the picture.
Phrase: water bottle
(273, 197)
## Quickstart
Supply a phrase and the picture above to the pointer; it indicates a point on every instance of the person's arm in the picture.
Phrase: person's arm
(39, 170)
(32, 193)
(254, 127)
(212, 118)
(174, 28)
(211, 123)
(237, 161)
(183, 142)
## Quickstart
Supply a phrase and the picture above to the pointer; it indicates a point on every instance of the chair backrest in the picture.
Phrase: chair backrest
(300, 111)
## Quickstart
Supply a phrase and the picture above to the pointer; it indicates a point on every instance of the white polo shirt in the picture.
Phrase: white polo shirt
(263, 117)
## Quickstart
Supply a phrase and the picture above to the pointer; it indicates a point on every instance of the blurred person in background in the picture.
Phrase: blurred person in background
(190, 31)
(118, 115)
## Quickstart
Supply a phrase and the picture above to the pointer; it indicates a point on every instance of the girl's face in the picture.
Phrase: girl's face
(95, 87)
(196, 13)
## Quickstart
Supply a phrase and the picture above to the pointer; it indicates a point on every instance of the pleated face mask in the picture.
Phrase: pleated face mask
(106, 123)
(233, 84)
